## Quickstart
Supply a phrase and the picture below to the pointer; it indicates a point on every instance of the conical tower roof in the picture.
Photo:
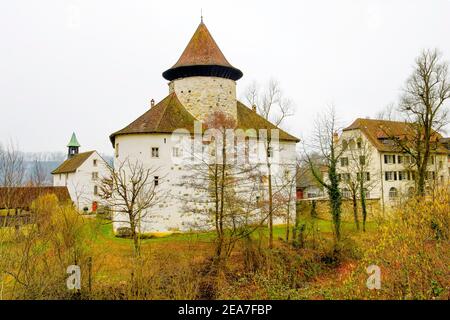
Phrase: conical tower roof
(73, 141)
(202, 57)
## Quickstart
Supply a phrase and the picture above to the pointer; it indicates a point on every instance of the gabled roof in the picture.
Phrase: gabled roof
(202, 57)
(380, 131)
(72, 164)
(165, 117)
(73, 141)
(169, 115)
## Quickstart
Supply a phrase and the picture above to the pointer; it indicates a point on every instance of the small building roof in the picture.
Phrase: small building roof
(22, 197)
(72, 164)
(169, 115)
(380, 131)
(73, 141)
(202, 57)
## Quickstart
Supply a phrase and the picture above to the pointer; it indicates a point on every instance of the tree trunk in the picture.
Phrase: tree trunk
(355, 209)
(270, 208)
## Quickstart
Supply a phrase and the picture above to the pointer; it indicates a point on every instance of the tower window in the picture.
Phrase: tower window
(155, 152)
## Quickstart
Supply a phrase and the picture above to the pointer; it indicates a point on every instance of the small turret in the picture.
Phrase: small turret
(73, 146)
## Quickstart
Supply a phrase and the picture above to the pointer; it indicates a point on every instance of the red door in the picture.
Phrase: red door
(94, 206)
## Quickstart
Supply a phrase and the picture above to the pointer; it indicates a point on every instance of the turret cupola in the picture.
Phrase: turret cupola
(73, 146)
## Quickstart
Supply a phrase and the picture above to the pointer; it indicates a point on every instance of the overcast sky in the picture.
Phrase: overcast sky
(92, 66)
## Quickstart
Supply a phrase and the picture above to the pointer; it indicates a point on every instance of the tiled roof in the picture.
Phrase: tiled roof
(202, 56)
(22, 197)
(165, 117)
(169, 115)
(378, 131)
(202, 50)
(249, 119)
(72, 164)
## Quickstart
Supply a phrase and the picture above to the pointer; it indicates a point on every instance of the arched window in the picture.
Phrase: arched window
(393, 193)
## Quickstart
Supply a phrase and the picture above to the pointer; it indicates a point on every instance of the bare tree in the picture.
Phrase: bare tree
(424, 104)
(130, 190)
(225, 190)
(324, 141)
(12, 172)
(356, 172)
(38, 174)
(274, 107)
(388, 113)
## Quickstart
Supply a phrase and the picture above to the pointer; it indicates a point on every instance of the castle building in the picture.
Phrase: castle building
(81, 173)
(202, 82)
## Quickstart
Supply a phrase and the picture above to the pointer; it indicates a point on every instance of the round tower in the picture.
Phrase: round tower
(203, 80)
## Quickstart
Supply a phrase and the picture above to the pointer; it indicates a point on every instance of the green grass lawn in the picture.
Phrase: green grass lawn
(324, 226)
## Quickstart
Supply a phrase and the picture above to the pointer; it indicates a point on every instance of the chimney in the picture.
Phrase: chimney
(254, 108)
(152, 103)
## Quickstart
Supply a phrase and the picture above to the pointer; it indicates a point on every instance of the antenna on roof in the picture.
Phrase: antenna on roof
(201, 15)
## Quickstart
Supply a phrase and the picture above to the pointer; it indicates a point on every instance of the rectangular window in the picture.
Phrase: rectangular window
(94, 162)
(344, 162)
(389, 176)
(366, 176)
(389, 159)
(176, 152)
(95, 190)
(155, 152)
(94, 175)
(117, 150)
(400, 159)
(156, 180)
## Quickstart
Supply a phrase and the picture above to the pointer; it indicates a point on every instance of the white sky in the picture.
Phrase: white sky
(92, 66)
